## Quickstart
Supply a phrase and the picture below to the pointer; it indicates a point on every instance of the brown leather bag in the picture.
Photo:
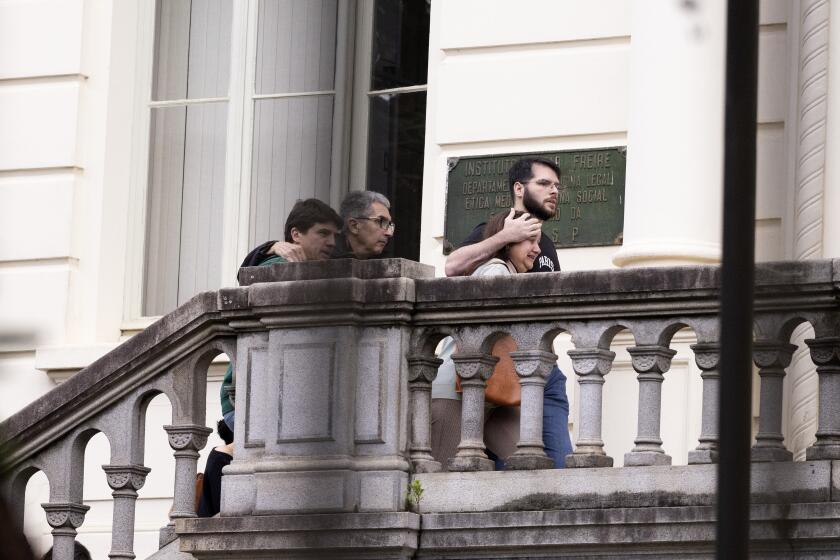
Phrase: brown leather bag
(199, 488)
(503, 386)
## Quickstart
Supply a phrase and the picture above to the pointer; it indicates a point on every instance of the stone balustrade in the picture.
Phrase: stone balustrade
(334, 363)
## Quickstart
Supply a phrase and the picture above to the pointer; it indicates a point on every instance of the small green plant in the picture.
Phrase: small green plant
(414, 495)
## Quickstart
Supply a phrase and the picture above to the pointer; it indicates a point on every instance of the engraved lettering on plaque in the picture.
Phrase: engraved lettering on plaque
(590, 204)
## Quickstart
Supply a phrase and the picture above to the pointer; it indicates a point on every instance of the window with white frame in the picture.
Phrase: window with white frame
(251, 110)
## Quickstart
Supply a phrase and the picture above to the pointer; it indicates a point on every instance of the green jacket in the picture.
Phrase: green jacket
(227, 406)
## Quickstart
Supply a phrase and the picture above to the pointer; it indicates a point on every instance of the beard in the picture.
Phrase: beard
(533, 206)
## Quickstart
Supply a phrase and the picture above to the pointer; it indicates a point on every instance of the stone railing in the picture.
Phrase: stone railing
(334, 363)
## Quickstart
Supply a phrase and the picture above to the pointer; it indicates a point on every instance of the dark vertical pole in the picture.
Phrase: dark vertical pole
(737, 279)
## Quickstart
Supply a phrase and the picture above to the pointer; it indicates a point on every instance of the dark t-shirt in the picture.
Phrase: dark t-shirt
(547, 261)
(211, 491)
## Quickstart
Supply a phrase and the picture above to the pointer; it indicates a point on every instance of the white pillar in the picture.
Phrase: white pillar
(811, 198)
(675, 134)
(831, 223)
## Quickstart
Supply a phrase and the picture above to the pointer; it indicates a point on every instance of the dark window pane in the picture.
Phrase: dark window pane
(400, 43)
(395, 164)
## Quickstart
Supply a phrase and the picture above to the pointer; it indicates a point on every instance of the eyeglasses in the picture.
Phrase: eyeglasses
(545, 183)
(381, 221)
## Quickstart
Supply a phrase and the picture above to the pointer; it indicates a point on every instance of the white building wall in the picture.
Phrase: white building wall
(504, 77)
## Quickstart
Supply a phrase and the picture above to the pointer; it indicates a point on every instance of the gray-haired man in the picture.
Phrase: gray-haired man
(367, 230)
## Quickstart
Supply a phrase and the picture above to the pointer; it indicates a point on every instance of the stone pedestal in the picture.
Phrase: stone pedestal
(771, 358)
(825, 352)
(591, 365)
(422, 372)
(125, 481)
(474, 369)
(64, 518)
(650, 362)
(707, 356)
(532, 366)
(323, 390)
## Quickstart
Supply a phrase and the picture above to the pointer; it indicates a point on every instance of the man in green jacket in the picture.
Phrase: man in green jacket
(312, 227)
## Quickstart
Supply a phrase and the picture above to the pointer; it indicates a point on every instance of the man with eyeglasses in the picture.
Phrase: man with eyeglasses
(367, 225)
(534, 187)
(367, 230)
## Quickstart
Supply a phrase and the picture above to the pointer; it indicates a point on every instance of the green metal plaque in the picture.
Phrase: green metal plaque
(590, 204)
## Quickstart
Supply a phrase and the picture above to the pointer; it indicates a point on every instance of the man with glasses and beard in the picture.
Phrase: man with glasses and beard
(534, 187)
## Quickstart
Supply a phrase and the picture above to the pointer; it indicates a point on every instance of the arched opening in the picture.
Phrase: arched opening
(800, 404)
(95, 532)
(155, 498)
(682, 399)
(620, 403)
(216, 372)
(561, 344)
(38, 532)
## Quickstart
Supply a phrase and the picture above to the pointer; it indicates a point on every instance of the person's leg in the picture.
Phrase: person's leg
(556, 438)
(501, 433)
(446, 429)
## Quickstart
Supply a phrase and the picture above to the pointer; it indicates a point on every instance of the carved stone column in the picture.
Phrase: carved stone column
(650, 362)
(707, 357)
(422, 371)
(771, 357)
(591, 365)
(532, 367)
(809, 191)
(826, 355)
(474, 369)
(187, 441)
(125, 481)
(64, 518)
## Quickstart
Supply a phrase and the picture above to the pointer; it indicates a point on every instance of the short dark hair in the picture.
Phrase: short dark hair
(224, 432)
(495, 225)
(522, 170)
(307, 213)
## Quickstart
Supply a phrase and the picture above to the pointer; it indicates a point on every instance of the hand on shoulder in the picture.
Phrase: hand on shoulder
(289, 251)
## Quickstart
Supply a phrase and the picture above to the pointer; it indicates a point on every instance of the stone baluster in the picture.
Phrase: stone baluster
(64, 518)
(125, 481)
(825, 352)
(591, 365)
(474, 369)
(532, 367)
(707, 357)
(422, 371)
(771, 357)
(650, 363)
(187, 441)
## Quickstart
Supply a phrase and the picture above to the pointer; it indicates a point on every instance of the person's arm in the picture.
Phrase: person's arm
(289, 251)
(257, 255)
(464, 260)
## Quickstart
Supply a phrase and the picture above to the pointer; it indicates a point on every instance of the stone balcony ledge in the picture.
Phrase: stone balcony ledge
(333, 365)
(623, 487)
